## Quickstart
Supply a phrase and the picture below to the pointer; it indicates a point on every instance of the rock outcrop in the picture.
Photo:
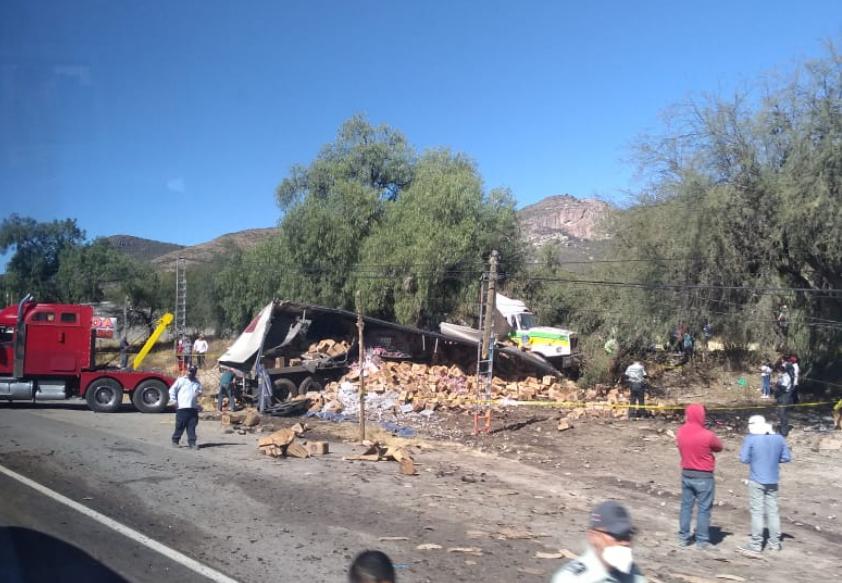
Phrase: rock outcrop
(564, 217)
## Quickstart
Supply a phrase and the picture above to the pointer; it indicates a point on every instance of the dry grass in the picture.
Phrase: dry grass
(162, 358)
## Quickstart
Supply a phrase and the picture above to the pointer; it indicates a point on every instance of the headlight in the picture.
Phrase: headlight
(559, 349)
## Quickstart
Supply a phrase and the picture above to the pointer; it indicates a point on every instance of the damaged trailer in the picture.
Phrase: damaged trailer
(297, 348)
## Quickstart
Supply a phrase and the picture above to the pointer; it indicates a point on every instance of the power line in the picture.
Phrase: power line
(679, 286)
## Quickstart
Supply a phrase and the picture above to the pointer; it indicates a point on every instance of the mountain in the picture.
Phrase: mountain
(204, 252)
(564, 218)
(140, 248)
(576, 225)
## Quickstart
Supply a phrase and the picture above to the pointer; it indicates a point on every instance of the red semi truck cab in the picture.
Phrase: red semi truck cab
(48, 352)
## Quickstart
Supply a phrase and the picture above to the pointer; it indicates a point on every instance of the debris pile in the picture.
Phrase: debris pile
(248, 418)
(432, 386)
(286, 443)
(375, 452)
(326, 348)
(406, 388)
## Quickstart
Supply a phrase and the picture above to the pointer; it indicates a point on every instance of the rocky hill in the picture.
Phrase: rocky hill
(576, 225)
(204, 252)
(140, 248)
(562, 218)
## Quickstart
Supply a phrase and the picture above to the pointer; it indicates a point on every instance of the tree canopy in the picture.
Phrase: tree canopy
(37, 250)
(740, 216)
(370, 214)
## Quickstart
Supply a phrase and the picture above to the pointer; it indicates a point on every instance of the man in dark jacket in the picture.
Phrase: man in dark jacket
(784, 395)
(696, 444)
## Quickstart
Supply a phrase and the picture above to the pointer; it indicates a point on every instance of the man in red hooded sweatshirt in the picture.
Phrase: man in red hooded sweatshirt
(696, 444)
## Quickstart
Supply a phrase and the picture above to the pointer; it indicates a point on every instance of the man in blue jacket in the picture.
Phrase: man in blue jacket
(764, 450)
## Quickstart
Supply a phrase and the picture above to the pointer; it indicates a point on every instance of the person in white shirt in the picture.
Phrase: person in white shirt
(635, 373)
(200, 348)
(185, 393)
(766, 381)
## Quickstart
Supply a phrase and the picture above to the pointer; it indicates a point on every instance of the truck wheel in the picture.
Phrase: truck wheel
(104, 395)
(282, 389)
(309, 384)
(151, 396)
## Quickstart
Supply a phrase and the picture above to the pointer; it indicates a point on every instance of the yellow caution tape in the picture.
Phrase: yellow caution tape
(606, 405)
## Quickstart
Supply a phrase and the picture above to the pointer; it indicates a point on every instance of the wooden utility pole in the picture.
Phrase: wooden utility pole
(485, 366)
(125, 329)
(490, 305)
(360, 330)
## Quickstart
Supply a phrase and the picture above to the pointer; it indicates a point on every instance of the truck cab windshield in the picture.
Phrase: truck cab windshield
(526, 321)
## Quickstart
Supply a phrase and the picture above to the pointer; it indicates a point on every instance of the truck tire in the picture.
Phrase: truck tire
(151, 396)
(309, 384)
(104, 395)
(282, 389)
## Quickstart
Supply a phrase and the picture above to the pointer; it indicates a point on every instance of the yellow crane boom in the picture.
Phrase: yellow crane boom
(165, 321)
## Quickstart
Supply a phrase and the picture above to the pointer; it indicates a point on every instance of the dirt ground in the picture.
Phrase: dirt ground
(524, 491)
(527, 488)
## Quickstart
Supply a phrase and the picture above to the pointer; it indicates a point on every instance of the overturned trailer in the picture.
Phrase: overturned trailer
(298, 348)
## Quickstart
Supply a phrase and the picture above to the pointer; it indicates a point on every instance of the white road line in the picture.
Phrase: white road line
(131, 533)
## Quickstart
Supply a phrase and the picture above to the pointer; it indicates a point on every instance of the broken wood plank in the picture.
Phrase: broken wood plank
(232, 418)
(407, 467)
(251, 419)
(297, 450)
(317, 448)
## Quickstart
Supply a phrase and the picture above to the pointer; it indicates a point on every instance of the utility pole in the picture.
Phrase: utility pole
(490, 305)
(485, 360)
(361, 344)
(125, 318)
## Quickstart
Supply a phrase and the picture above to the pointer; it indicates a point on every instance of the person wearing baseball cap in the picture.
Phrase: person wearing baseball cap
(185, 392)
(608, 558)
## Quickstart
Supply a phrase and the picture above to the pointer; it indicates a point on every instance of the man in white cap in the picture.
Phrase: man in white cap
(764, 450)
(608, 558)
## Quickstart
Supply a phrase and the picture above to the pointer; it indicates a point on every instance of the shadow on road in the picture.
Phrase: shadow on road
(209, 445)
(73, 405)
(34, 557)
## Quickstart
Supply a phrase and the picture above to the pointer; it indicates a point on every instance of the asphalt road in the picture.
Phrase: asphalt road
(244, 515)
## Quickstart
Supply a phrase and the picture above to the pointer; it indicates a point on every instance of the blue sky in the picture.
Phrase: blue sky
(175, 120)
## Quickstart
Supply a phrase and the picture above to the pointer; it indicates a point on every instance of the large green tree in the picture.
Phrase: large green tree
(331, 206)
(86, 271)
(369, 214)
(37, 248)
(740, 216)
(423, 261)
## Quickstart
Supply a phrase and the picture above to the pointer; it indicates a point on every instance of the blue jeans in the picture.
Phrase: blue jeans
(766, 386)
(695, 490)
(226, 392)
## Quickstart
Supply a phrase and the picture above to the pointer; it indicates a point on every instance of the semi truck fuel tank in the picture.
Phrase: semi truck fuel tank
(18, 390)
